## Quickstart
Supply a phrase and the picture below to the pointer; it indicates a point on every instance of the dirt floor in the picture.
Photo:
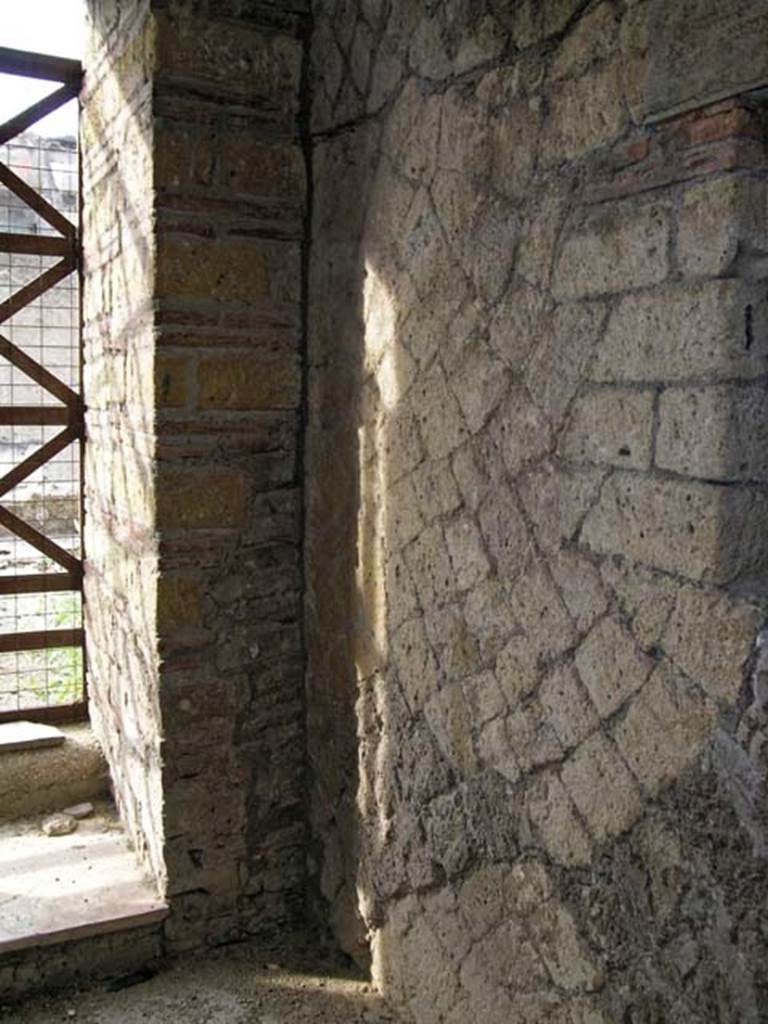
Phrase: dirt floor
(239, 985)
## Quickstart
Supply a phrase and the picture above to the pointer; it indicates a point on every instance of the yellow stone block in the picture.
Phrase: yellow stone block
(171, 374)
(201, 498)
(179, 602)
(268, 380)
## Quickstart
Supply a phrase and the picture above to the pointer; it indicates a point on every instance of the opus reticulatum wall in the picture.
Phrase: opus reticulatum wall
(535, 473)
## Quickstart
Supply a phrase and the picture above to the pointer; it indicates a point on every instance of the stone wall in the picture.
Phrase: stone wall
(536, 507)
(194, 227)
(230, 185)
(118, 341)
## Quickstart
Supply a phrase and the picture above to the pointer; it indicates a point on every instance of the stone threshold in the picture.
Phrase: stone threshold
(58, 889)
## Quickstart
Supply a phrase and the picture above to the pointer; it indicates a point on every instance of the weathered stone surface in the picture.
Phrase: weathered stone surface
(611, 666)
(29, 736)
(553, 819)
(710, 533)
(430, 565)
(541, 612)
(245, 381)
(664, 729)
(615, 249)
(534, 742)
(416, 661)
(441, 422)
(229, 57)
(448, 716)
(565, 704)
(520, 432)
(645, 598)
(248, 271)
(602, 788)
(435, 489)
(580, 585)
(78, 811)
(569, 963)
(120, 582)
(555, 370)
(693, 332)
(610, 426)
(468, 558)
(172, 380)
(715, 51)
(528, 314)
(202, 497)
(710, 637)
(557, 499)
(720, 222)
(585, 113)
(484, 383)
(59, 824)
(505, 532)
(194, 191)
(718, 433)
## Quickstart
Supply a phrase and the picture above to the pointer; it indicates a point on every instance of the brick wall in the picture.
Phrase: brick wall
(536, 514)
(230, 186)
(194, 305)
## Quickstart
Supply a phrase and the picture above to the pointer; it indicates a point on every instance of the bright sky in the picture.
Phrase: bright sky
(44, 26)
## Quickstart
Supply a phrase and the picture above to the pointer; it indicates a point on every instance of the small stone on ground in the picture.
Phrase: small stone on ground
(79, 811)
(59, 825)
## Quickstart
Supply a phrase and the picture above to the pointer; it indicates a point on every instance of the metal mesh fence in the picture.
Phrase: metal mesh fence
(49, 498)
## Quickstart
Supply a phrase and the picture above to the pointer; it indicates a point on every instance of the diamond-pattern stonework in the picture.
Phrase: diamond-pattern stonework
(527, 311)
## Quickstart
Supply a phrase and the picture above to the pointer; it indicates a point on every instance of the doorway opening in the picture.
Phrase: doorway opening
(53, 782)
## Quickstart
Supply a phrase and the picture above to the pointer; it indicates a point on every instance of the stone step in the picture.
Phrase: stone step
(66, 889)
(33, 781)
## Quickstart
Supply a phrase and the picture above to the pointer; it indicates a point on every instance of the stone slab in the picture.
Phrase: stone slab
(28, 735)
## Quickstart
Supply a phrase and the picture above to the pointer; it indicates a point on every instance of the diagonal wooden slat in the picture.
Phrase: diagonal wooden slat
(35, 288)
(37, 459)
(18, 124)
(38, 540)
(37, 245)
(35, 202)
(38, 373)
(40, 65)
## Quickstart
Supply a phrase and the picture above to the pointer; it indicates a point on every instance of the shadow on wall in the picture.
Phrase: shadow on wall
(535, 549)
